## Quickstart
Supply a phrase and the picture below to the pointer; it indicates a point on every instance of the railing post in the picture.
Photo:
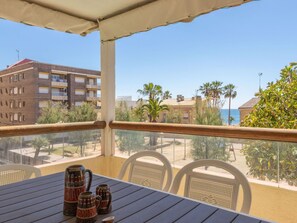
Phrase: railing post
(108, 95)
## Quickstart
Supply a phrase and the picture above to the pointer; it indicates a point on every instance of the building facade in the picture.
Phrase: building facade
(27, 86)
(247, 107)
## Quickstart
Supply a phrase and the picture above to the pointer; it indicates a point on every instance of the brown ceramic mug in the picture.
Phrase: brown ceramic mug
(103, 191)
(75, 183)
(87, 207)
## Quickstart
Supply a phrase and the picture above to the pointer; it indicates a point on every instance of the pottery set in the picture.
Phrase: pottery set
(79, 201)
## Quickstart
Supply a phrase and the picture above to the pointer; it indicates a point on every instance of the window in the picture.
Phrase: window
(20, 104)
(11, 91)
(15, 90)
(6, 115)
(20, 90)
(16, 117)
(23, 117)
(11, 104)
(20, 117)
(6, 103)
(0, 79)
(43, 90)
(79, 92)
(15, 77)
(43, 75)
(11, 117)
(79, 79)
(24, 103)
(6, 90)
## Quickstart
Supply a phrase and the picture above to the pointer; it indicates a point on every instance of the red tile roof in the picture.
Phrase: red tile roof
(20, 62)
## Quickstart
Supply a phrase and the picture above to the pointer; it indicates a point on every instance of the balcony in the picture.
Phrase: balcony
(91, 97)
(272, 199)
(93, 86)
(60, 96)
(59, 82)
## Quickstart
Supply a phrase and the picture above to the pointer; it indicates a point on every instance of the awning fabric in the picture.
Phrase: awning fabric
(127, 22)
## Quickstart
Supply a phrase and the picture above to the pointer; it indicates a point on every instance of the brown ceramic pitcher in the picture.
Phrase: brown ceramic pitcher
(74, 184)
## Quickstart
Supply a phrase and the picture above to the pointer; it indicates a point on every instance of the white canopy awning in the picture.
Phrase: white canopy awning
(115, 19)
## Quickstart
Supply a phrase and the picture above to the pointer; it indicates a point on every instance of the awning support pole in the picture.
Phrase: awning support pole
(108, 95)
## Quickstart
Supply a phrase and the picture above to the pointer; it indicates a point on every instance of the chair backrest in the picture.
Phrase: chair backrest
(148, 174)
(12, 173)
(214, 189)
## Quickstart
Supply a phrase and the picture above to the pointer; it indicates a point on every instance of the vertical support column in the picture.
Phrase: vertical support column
(107, 95)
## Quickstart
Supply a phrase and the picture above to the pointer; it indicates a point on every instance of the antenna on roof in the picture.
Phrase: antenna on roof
(18, 54)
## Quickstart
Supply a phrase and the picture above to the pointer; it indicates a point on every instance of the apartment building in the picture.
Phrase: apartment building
(27, 86)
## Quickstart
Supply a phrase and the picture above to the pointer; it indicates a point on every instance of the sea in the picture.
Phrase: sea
(234, 113)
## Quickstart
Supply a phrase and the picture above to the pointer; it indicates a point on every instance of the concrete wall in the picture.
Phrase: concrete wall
(268, 202)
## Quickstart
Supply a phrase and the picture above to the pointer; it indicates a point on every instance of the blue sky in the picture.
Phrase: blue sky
(229, 45)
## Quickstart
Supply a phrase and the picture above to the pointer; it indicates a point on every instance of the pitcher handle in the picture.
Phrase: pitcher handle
(90, 179)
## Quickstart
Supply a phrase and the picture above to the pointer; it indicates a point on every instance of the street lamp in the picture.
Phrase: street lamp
(260, 74)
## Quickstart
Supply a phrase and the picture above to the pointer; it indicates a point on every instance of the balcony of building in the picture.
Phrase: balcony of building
(58, 81)
(92, 86)
(92, 97)
(83, 143)
(59, 96)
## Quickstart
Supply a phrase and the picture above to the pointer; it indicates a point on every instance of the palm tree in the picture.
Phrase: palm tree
(153, 109)
(167, 95)
(229, 92)
(151, 90)
(216, 90)
(206, 89)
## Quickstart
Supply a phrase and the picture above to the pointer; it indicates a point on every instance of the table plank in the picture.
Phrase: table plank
(221, 216)
(153, 210)
(245, 219)
(199, 213)
(30, 182)
(175, 212)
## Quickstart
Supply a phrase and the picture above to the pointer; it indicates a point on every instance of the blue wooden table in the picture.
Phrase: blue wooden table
(41, 200)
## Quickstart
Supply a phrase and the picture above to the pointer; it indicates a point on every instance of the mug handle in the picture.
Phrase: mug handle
(90, 179)
(98, 202)
(109, 201)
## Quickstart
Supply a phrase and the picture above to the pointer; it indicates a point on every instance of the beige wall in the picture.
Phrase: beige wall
(268, 202)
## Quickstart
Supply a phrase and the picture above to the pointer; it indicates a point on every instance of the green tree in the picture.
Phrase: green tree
(166, 95)
(208, 147)
(8, 143)
(122, 113)
(151, 90)
(173, 116)
(128, 141)
(230, 93)
(38, 143)
(154, 108)
(85, 112)
(276, 109)
(55, 112)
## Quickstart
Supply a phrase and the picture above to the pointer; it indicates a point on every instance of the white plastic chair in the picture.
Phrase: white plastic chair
(213, 189)
(146, 173)
(12, 173)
